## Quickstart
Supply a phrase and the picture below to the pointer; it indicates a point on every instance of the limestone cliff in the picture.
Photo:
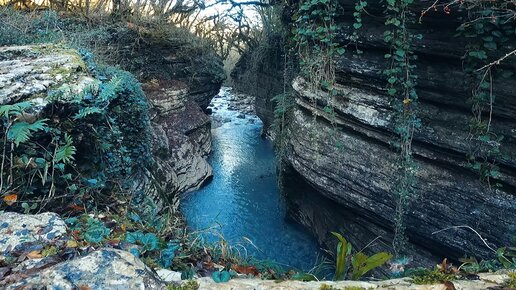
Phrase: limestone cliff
(180, 76)
(340, 176)
(176, 128)
(260, 72)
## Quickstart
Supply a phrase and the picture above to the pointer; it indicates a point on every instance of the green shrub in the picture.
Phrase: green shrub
(145, 48)
(27, 28)
(84, 146)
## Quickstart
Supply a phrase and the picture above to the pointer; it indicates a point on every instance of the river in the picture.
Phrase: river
(242, 203)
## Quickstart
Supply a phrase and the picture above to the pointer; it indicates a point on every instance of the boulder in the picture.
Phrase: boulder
(101, 269)
(19, 232)
(29, 71)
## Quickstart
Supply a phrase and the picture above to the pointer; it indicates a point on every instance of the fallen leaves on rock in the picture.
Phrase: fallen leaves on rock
(246, 270)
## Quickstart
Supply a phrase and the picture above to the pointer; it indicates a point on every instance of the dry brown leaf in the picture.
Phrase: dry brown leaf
(76, 207)
(76, 234)
(209, 265)
(11, 199)
(34, 255)
(443, 266)
(71, 244)
(449, 285)
(246, 270)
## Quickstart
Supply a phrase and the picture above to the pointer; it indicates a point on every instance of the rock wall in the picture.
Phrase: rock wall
(260, 73)
(179, 128)
(342, 174)
(180, 75)
(185, 133)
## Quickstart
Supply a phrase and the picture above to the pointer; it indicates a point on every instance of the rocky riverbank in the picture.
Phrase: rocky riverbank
(24, 238)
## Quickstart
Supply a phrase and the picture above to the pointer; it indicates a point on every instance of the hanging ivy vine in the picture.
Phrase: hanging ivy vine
(282, 114)
(488, 29)
(401, 87)
(490, 25)
(314, 34)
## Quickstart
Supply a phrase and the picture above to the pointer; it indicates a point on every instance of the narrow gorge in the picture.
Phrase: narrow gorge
(297, 144)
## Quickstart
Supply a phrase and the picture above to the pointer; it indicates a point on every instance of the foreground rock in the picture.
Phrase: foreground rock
(19, 232)
(24, 236)
(486, 281)
(109, 268)
(102, 269)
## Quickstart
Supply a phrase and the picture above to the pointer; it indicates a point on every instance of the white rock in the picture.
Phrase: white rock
(102, 269)
(18, 230)
(168, 275)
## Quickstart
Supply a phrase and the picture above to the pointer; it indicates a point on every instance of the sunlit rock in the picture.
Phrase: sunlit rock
(102, 269)
(19, 232)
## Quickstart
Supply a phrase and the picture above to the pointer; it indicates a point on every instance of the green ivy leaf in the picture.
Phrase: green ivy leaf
(391, 92)
(400, 53)
(480, 54)
(221, 276)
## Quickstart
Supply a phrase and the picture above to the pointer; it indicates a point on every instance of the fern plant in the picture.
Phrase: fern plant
(18, 131)
(21, 132)
(82, 144)
(65, 153)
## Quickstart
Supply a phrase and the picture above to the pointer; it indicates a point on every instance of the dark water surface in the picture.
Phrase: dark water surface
(243, 200)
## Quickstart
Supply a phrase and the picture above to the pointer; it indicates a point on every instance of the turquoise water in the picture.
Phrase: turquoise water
(242, 201)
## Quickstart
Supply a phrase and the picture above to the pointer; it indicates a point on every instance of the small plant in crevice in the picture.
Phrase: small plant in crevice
(189, 285)
(361, 264)
(117, 231)
(431, 276)
(89, 229)
(511, 282)
(221, 276)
